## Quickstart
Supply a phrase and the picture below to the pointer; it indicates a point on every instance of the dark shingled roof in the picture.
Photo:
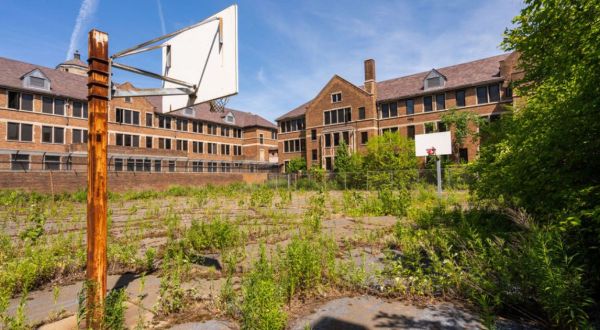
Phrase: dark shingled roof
(62, 83)
(459, 75)
(202, 112)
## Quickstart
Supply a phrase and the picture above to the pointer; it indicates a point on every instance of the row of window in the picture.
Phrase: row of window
(337, 116)
(297, 145)
(22, 162)
(128, 140)
(292, 125)
(50, 105)
(24, 133)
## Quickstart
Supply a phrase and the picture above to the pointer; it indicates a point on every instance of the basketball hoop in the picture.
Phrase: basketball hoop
(218, 105)
(431, 151)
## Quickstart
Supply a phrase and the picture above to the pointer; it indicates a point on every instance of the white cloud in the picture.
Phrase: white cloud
(161, 16)
(316, 41)
(260, 75)
(86, 11)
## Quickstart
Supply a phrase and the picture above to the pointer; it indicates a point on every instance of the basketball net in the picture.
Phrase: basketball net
(218, 105)
(431, 151)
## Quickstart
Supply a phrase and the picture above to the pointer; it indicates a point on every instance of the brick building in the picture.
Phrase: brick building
(43, 126)
(408, 105)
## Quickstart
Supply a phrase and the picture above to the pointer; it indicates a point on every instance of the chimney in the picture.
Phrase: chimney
(370, 76)
(77, 56)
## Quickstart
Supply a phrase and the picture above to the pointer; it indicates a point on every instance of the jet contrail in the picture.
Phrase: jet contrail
(162, 17)
(88, 7)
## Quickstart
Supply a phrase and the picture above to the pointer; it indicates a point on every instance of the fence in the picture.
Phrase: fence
(456, 177)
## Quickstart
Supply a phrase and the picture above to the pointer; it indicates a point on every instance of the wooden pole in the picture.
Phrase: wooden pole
(97, 197)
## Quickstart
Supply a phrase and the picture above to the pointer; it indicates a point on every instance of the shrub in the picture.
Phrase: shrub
(215, 235)
(263, 299)
(262, 196)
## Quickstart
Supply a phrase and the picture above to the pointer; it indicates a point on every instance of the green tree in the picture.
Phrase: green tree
(348, 167)
(545, 157)
(390, 161)
(296, 165)
(463, 124)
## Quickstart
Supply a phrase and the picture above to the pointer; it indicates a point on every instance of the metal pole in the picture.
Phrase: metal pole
(97, 197)
(438, 166)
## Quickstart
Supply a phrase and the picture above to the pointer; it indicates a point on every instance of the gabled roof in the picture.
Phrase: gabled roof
(460, 75)
(202, 112)
(75, 62)
(64, 84)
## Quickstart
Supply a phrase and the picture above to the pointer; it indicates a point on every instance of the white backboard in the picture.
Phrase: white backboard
(198, 57)
(442, 142)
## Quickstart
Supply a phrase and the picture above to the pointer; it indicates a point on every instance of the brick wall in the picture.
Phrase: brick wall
(58, 182)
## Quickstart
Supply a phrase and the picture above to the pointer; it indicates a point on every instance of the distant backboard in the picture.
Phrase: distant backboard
(442, 142)
(205, 56)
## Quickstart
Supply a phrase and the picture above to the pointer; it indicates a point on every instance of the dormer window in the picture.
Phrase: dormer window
(434, 80)
(336, 97)
(230, 118)
(36, 79)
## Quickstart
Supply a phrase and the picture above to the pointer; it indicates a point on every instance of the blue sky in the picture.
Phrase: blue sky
(287, 49)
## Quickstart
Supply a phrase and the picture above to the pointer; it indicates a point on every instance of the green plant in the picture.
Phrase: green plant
(215, 235)
(263, 299)
(114, 310)
(262, 196)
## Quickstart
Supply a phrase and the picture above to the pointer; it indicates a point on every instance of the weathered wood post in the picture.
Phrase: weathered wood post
(97, 197)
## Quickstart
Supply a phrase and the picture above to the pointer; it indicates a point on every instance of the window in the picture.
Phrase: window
(440, 101)
(229, 118)
(460, 98)
(79, 136)
(212, 129)
(164, 122)
(361, 113)
(494, 91)
(132, 117)
(182, 125)
(47, 104)
(237, 133)
(171, 166)
(389, 110)
(212, 148)
(149, 121)
(197, 166)
(434, 82)
(19, 132)
(390, 130)
(148, 142)
(410, 106)
(427, 103)
(463, 155)
(224, 131)
(37, 82)
(336, 139)
(292, 125)
(441, 127)
(80, 110)
(313, 134)
(273, 135)
(182, 145)
(53, 134)
(297, 145)
(237, 150)
(51, 163)
(410, 132)
(157, 165)
(482, 96)
(327, 140)
(197, 147)
(337, 116)
(139, 165)
(197, 126)
(429, 127)
(508, 92)
(127, 99)
(164, 143)
(336, 97)
(314, 155)
(19, 162)
(225, 149)
(147, 165)
(27, 102)
(130, 165)
(328, 164)
(14, 100)
(364, 137)
(127, 140)
(118, 164)
(261, 139)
